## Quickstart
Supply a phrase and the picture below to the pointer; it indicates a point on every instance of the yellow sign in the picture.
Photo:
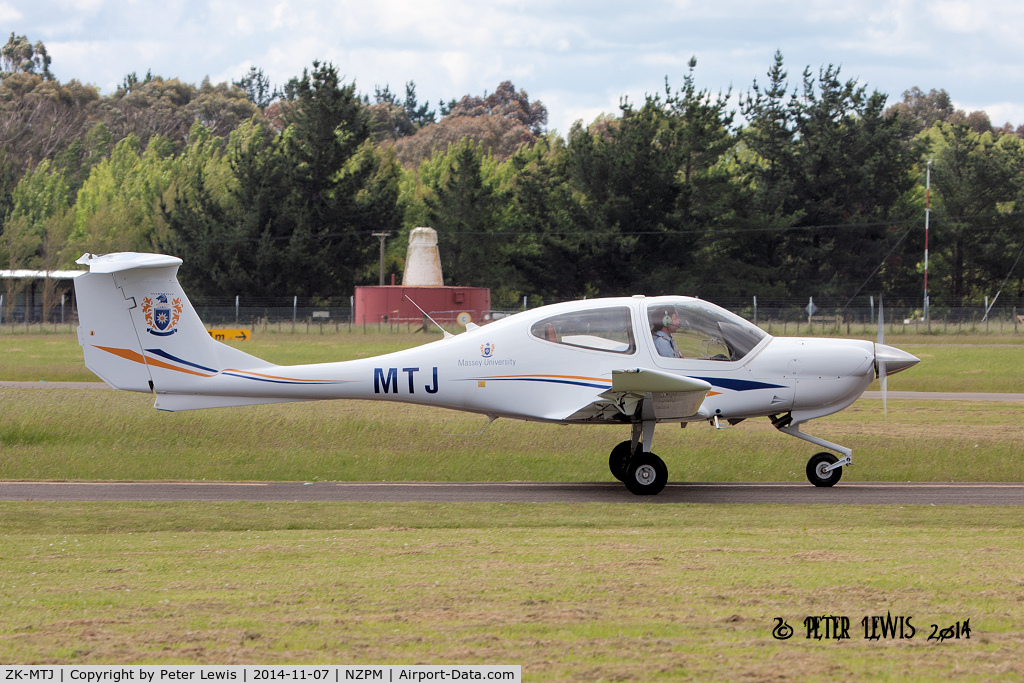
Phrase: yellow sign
(230, 335)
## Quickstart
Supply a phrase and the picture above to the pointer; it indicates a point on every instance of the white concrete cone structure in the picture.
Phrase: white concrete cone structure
(422, 261)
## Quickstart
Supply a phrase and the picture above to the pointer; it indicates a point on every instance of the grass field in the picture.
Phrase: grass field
(89, 434)
(571, 592)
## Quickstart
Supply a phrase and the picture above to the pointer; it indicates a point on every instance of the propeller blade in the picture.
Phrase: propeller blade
(880, 364)
(882, 381)
(881, 322)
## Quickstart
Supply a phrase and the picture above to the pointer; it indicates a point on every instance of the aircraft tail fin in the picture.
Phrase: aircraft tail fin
(139, 331)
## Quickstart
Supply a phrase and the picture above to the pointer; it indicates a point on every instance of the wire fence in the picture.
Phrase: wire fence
(780, 321)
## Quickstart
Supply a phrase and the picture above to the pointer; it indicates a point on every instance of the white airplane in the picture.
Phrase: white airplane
(636, 361)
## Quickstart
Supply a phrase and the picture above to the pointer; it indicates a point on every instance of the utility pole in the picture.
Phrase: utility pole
(382, 236)
(927, 209)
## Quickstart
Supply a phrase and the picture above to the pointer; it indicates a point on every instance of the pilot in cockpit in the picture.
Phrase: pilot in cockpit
(665, 323)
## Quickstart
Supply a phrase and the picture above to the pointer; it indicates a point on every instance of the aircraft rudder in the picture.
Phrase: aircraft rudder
(167, 336)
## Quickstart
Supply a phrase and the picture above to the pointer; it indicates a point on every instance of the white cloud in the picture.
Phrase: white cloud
(578, 57)
(8, 13)
(960, 17)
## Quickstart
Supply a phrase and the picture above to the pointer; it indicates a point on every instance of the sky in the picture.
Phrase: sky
(578, 58)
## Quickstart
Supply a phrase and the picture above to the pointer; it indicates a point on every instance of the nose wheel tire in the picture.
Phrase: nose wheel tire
(646, 474)
(816, 473)
(618, 461)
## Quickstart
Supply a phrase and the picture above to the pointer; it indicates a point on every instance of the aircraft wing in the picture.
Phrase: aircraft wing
(670, 397)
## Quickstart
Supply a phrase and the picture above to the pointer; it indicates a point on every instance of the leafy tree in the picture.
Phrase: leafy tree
(502, 122)
(35, 229)
(168, 108)
(549, 256)
(40, 118)
(257, 88)
(118, 206)
(196, 212)
(923, 110)
(327, 128)
(462, 207)
(506, 102)
(302, 202)
(977, 179)
(833, 167)
(84, 152)
(131, 81)
(19, 55)
(419, 115)
(652, 181)
(220, 108)
(393, 118)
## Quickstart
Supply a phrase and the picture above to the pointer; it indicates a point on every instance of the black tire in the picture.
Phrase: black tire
(818, 462)
(618, 461)
(646, 474)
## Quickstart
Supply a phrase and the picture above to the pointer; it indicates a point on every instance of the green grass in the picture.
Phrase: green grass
(58, 357)
(570, 592)
(85, 434)
(950, 366)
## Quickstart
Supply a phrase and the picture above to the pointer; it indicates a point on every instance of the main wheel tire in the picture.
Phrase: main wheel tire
(618, 461)
(816, 466)
(646, 474)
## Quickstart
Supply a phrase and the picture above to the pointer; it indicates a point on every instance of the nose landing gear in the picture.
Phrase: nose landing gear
(823, 469)
(820, 471)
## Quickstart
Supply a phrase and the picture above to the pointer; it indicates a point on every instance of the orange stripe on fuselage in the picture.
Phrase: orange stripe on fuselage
(290, 379)
(589, 379)
(128, 354)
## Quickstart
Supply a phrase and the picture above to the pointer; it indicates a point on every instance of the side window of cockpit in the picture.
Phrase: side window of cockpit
(600, 329)
(696, 330)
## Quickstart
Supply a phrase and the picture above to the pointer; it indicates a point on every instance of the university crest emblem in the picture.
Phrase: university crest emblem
(487, 350)
(161, 314)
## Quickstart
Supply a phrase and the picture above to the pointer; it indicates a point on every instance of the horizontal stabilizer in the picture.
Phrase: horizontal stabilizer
(127, 260)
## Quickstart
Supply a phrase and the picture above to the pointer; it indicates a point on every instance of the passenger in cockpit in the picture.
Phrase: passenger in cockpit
(665, 323)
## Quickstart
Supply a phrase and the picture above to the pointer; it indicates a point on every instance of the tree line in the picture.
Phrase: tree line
(813, 187)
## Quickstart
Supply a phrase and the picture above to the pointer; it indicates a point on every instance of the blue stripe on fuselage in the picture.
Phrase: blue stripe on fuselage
(738, 384)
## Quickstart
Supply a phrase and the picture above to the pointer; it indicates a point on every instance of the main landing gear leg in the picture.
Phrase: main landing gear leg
(632, 462)
(823, 469)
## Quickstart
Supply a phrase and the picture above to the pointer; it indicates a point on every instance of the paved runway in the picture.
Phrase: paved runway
(853, 493)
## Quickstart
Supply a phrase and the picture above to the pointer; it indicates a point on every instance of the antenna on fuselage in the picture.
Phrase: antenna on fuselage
(447, 334)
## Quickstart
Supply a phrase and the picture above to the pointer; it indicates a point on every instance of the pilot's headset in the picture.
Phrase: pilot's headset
(666, 319)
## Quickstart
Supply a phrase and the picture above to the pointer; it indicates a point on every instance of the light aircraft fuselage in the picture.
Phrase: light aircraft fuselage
(630, 360)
